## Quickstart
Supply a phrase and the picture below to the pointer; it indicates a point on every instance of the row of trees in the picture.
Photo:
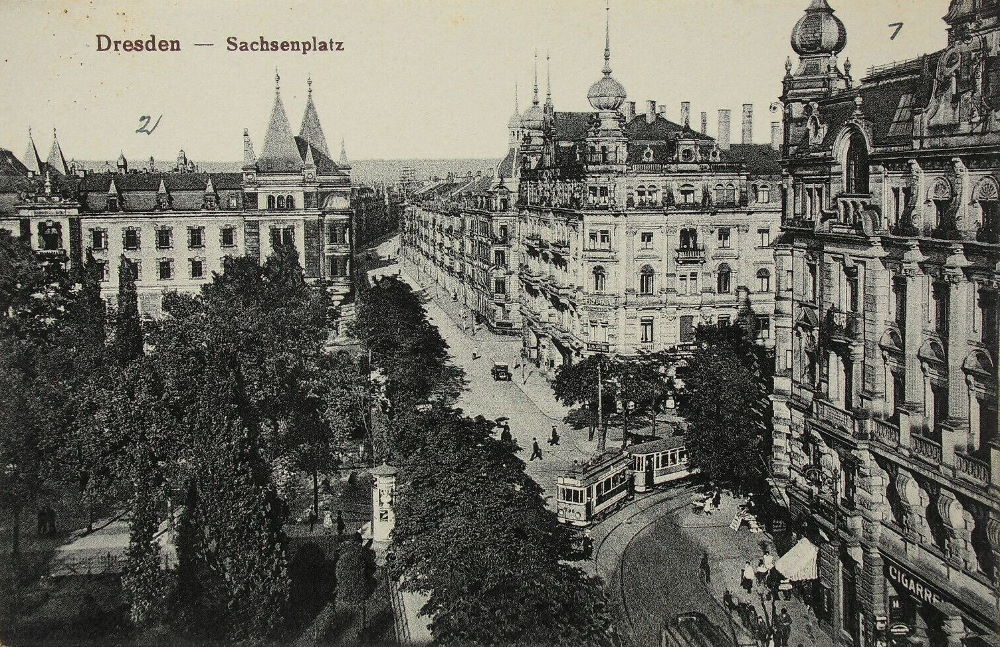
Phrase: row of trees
(193, 414)
(723, 395)
(472, 530)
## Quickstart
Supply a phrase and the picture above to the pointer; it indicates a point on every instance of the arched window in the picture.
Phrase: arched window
(270, 202)
(941, 195)
(289, 202)
(687, 193)
(651, 192)
(763, 280)
(689, 238)
(640, 195)
(987, 196)
(724, 281)
(646, 280)
(600, 279)
(281, 202)
(730, 194)
(762, 193)
(720, 194)
(857, 164)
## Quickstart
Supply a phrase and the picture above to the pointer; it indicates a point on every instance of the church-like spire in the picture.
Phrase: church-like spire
(343, 154)
(607, 40)
(548, 81)
(280, 152)
(56, 160)
(311, 130)
(534, 100)
(31, 159)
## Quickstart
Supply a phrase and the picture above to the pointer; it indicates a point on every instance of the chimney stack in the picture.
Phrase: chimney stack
(685, 113)
(747, 123)
(661, 110)
(629, 111)
(651, 111)
(704, 123)
(723, 137)
(776, 135)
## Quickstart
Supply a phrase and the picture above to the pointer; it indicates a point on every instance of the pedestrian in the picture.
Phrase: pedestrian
(706, 568)
(505, 436)
(768, 561)
(783, 628)
(536, 451)
(727, 600)
(761, 572)
(747, 578)
(717, 499)
(475, 356)
(340, 523)
(43, 522)
(554, 439)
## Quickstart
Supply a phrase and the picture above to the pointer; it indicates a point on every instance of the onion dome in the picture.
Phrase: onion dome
(607, 93)
(819, 31)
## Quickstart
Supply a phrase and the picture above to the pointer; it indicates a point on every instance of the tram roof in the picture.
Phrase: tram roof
(654, 446)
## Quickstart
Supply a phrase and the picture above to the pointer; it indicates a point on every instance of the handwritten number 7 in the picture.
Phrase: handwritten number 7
(144, 122)
(898, 26)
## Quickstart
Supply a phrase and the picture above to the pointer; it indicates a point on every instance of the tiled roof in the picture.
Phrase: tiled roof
(10, 165)
(311, 130)
(279, 152)
(759, 159)
(101, 182)
(324, 165)
(506, 166)
(660, 129)
(572, 126)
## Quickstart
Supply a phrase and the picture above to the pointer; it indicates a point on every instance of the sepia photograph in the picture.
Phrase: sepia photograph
(497, 323)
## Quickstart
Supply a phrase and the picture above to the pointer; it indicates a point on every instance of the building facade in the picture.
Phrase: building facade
(178, 227)
(634, 229)
(885, 403)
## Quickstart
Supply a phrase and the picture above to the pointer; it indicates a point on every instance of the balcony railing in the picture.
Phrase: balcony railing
(972, 467)
(645, 346)
(691, 254)
(843, 325)
(926, 448)
(598, 346)
(598, 253)
(885, 432)
(834, 415)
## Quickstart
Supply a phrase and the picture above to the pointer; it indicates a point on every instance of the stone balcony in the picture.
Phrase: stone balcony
(691, 254)
(599, 254)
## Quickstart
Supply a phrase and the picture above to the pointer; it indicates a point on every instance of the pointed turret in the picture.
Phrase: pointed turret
(209, 187)
(343, 155)
(310, 160)
(56, 161)
(31, 160)
(249, 160)
(162, 190)
(311, 130)
(280, 152)
(122, 163)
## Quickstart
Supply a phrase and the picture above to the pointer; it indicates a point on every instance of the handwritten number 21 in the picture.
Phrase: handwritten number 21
(144, 123)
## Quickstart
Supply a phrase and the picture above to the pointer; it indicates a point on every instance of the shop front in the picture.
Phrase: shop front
(923, 614)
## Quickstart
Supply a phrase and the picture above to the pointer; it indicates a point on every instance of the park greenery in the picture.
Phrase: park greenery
(187, 417)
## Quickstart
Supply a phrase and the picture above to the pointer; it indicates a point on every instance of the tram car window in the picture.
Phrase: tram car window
(592, 490)
(658, 462)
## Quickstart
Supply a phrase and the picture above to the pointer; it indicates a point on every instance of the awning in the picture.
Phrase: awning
(799, 563)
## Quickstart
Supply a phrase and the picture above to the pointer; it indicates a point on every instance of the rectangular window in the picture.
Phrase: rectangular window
(196, 237)
(646, 239)
(605, 239)
(228, 237)
(163, 238)
(646, 330)
(764, 326)
(130, 238)
(693, 282)
(197, 268)
(98, 239)
(687, 329)
(165, 269)
(853, 297)
(765, 237)
(500, 258)
(102, 270)
(288, 235)
(941, 298)
(813, 292)
(724, 237)
(724, 320)
(500, 286)
(682, 287)
(988, 321)
(593, 239)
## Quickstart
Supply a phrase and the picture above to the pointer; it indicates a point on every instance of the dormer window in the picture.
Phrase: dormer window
(857, 165)
(687, 154)
(112, 203)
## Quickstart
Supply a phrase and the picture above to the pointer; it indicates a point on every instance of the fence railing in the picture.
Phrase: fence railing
(926, 448)
(973, 467)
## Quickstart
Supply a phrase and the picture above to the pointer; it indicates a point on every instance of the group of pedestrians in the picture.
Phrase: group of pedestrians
(769, 631)
(536, 450)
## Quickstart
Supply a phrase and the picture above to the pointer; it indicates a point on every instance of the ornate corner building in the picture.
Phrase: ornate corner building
(178, 226)
(885, 402)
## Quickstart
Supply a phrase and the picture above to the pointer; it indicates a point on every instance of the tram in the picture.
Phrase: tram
(658, 461)
(591, 490)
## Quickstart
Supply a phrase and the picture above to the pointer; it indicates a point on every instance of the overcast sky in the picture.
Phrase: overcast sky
(430, 79)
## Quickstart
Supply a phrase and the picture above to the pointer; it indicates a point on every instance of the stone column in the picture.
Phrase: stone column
(383, 492)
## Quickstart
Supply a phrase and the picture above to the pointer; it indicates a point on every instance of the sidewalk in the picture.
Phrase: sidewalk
(496, 348)
(728, 551)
